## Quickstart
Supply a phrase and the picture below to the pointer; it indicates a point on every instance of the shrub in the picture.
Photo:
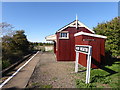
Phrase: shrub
(5, 63)
(110, 29)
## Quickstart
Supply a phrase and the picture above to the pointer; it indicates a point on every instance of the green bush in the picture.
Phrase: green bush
(5, 63)
(110, 29)
(14, 48)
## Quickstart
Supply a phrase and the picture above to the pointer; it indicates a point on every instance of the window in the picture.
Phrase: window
(64, 35)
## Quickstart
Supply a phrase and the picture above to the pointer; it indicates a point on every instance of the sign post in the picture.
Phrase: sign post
(76, 62)
(88, 65)
(86, 49)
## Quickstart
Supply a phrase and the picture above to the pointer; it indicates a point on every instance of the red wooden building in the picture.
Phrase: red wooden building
(64, 40)
(76, 33)
(98, 48)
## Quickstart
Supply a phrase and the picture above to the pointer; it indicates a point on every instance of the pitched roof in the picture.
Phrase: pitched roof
(73, 24)
(51, 37)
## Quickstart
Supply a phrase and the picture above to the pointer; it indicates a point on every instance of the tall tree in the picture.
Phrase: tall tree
(14, 44)
(20, 41)
(111, 29)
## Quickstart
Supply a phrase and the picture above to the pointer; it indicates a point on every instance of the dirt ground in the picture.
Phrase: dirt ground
(52, 74)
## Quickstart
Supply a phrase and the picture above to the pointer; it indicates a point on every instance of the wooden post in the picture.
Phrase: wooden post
(76, 62)
(88, 65)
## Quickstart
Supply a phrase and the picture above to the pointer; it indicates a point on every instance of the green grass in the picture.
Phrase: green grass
(35, 84)
(102, 79)
(38, 85)
(54, 78)
(46, 86)
(82, 84)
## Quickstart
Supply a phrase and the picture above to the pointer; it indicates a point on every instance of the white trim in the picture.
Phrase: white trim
(64, 37)
(89, 34)
(51, 38)
(88, 65)
(89, 55)
(73, 24)
(80, 51)
(83, 25)
(83, 45)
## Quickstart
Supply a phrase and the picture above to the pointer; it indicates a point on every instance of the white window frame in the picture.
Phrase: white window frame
(63, 36)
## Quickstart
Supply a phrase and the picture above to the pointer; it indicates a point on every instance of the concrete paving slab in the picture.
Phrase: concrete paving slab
(21, 79)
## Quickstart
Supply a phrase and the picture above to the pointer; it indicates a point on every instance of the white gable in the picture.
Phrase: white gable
(73, 24)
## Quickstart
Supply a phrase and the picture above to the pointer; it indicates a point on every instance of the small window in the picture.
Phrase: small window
(64, 35)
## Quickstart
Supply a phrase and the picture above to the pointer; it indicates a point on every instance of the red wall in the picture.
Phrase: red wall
(55, 47)
(98, 50)
(66, 47)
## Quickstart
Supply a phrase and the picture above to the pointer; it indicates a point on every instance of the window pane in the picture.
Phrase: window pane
(63, 34)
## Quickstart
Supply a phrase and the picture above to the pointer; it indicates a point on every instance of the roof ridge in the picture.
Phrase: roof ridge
(66, 25)
(72, 26)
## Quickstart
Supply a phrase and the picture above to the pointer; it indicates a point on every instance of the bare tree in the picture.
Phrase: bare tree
(6, 29)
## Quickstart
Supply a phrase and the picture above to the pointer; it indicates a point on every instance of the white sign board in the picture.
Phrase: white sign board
(82, 49)
(86, 49)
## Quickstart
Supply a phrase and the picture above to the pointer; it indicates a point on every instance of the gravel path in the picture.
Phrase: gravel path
(50, 73)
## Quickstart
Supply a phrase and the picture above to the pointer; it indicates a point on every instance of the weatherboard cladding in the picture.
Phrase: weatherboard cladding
(98, 50)
(66, 47)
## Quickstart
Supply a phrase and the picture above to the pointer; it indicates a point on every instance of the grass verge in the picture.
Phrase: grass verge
(101, 78)
(38, 85)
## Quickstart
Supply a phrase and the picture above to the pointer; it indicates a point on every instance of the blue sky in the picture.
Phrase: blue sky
(40, 19)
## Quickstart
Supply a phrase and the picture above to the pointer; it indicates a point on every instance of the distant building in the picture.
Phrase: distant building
(49, 48)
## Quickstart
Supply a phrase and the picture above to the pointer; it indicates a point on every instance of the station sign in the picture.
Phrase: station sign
(86, 49)
(82, 48)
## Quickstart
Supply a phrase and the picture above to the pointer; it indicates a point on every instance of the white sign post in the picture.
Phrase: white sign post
(76, 62)
(86, 49)
(88, 64)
